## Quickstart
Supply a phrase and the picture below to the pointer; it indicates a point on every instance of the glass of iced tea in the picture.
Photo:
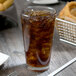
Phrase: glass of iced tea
(38, 27)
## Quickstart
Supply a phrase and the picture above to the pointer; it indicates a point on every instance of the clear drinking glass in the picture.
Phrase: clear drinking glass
(38, 27)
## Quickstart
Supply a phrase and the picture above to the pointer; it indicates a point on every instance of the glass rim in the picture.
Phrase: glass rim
(44, 7)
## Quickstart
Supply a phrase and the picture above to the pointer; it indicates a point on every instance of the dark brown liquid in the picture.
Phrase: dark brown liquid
(38, 34)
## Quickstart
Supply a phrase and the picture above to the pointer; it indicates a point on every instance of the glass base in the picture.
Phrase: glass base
(38, 69)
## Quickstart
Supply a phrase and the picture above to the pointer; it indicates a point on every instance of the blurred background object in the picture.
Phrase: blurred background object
(5, 4)
(6, 22)
(43, 1)
(67, 0)
(8, 14)
(1, 1)
(66, 23)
